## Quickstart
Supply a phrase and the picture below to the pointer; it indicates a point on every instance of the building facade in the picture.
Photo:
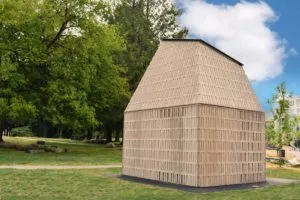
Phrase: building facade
(294, 106)
(194, 120)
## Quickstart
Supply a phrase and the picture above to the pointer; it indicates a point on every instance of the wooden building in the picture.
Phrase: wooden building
(194, 120)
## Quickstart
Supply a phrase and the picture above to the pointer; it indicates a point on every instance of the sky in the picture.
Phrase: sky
(263, 35)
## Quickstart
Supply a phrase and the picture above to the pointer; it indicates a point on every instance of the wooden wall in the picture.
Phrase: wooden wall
(195, 145)
(161, 144)
(232, 146)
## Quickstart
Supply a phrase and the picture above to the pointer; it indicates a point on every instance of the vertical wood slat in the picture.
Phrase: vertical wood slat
(232, 146)
(189, 120)
(161, 144)
(195, 145)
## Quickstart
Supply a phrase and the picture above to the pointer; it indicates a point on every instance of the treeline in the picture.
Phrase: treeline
(69, 67)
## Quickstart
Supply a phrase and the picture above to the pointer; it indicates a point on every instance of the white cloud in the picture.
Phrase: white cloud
(293, 52)
(241, 30)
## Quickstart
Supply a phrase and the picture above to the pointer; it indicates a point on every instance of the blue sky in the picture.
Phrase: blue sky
(271, 26)
(286, 26)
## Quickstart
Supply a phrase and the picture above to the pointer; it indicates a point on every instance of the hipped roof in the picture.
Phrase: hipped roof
(184, 72)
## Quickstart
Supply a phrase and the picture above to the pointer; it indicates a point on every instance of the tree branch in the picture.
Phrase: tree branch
(58, 34)
(61, 29)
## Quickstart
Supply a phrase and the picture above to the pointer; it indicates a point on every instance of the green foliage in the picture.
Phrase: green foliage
(142, 23)
(57, 64)
(271, 133)
(296, 123)
(68, 66)
(297, 135)
(279, 129)
(22, 132)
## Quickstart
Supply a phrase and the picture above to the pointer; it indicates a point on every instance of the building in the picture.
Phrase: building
(294, 106)
(194, 120)
(294, 110)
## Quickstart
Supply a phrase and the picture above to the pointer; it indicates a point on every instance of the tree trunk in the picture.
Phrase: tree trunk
(1, 139)
(3, 126)
(44, 131)
(117, 139)
(60, 133)
(119, 126)
(108, 134)
(90, 134)
(147, 9)
(44, 128)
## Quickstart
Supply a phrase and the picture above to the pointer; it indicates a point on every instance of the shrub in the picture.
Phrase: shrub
(22, 132)
(110, 145)
(297, 135)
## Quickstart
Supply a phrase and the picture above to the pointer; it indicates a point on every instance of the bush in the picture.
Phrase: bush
(297, 135)
(22, 132)
(110, 145)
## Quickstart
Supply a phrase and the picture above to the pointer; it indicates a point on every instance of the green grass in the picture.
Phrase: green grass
(93, 184)
(81, 153)
(284, 173)
(90, 184)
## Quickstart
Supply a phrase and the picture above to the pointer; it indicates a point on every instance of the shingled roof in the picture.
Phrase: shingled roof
(184, 72)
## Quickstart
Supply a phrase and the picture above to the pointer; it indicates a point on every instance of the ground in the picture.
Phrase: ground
(97, 184)
(293, 156)
(289, 153)
(81, 153)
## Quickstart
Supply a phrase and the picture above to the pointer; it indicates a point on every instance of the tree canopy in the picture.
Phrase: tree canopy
(279, 129)
(142, 23)
(68, 66)
(57, 63)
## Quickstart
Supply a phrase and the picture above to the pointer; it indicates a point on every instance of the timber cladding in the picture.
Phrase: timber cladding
(196, 145)
(183, 133)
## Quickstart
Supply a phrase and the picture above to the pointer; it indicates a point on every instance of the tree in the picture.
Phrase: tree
(142, 23)
(163, 17)
(15, 106)
(296, 125)
(14, 110)
(279, 130)
(61, 56)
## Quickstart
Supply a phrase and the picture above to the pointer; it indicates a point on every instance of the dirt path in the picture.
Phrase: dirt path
(58, 167)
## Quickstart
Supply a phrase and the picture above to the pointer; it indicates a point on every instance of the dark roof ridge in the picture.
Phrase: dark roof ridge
(207, 44)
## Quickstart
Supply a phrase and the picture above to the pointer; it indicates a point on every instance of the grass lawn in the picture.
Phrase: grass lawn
(81, 154)
(288, 173)
(90, 184)
(93, 184)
